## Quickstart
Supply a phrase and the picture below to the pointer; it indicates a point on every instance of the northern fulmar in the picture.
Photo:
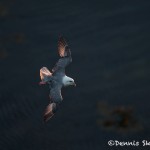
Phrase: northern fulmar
(57, 78)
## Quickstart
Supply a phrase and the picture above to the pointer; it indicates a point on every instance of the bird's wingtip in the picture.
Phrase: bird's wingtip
(48, 114)
(47, 117)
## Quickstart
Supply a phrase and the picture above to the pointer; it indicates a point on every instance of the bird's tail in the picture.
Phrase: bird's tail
(45, 74)
(50, 111)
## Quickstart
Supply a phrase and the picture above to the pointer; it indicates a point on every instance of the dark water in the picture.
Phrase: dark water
(110, 47)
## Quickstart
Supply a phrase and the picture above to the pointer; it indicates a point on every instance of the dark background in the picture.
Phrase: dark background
(110, 47)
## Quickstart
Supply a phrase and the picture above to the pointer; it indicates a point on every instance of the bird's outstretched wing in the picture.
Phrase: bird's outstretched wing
(45, 74)
(55, 99)
(63, 48)
(55, 92)
(48, 113)
(65, 54)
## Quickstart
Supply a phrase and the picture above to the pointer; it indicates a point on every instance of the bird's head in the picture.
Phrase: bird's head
(67, 81)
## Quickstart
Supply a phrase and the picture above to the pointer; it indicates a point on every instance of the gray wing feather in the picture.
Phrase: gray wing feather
(55, 99)
(65, 54)
(55, 92)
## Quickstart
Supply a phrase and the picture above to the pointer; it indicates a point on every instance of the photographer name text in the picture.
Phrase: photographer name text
(128, 143)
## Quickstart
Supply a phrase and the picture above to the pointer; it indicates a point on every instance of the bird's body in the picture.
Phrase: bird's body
(57, 79)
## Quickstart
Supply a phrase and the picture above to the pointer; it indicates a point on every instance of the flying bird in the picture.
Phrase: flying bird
(57, 78)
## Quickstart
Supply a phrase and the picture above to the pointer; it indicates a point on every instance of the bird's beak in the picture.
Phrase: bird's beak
(74, 84)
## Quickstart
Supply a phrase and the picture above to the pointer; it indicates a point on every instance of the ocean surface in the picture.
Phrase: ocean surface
(110, 45)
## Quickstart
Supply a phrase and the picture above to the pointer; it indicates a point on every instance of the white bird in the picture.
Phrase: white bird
(57, 79)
